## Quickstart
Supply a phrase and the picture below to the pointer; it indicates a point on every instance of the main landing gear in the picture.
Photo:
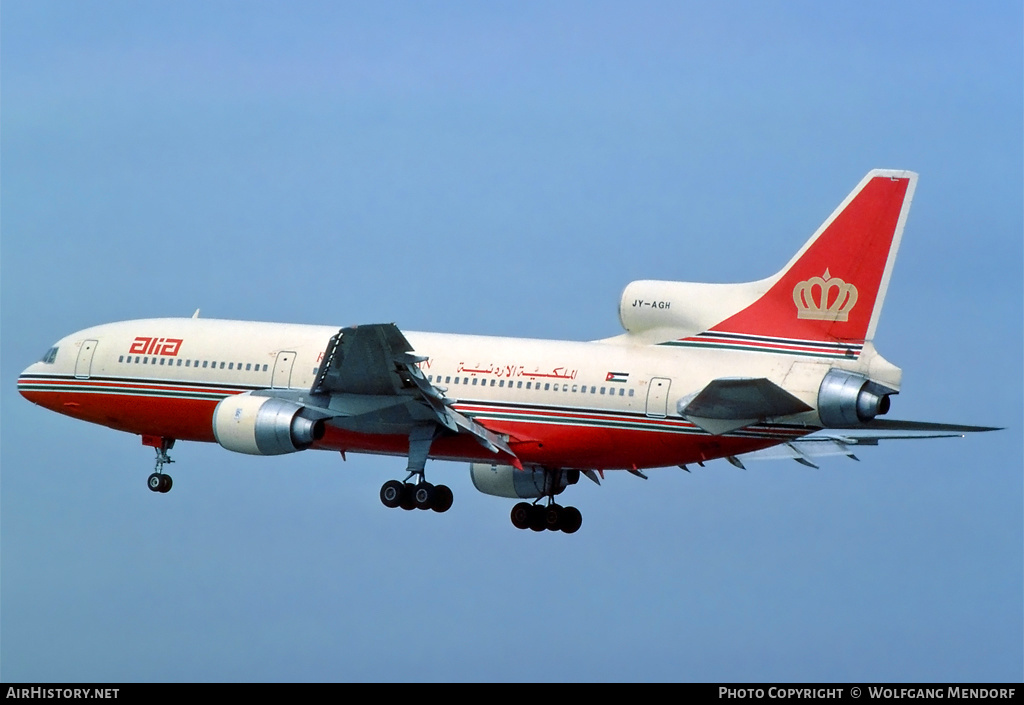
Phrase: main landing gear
(552, 517)
(420, 494)
(158, 481)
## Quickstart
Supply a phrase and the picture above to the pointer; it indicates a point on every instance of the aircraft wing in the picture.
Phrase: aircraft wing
(830, 442)
(372, 378)
(729, 403)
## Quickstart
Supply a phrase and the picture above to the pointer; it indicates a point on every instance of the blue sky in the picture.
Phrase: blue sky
(505, 168)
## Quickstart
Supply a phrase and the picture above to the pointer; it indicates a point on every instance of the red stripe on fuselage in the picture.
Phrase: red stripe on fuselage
(182, 419)
(550, 444)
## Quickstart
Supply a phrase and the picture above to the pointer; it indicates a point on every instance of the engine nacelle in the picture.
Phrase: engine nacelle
(264, 425)
(847, 399)
(507, 481)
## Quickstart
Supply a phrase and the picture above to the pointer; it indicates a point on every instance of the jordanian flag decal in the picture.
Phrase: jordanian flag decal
(617, 377)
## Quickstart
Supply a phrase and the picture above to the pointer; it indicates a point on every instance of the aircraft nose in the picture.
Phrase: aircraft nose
(25, 384)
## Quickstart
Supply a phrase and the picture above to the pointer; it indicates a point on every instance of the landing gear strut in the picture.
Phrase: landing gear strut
(420, 494)
(158, 481)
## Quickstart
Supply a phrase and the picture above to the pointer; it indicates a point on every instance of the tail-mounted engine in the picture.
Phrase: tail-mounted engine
(507, 481)
(847, 399)
(264, 425)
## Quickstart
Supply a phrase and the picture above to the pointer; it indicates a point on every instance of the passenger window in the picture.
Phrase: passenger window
(474, 381)
(622, 392)
(222, 365)
(248, 366)
(447, 380)
(231, 365)
(121, 358)
(631, 392)
(492, 382)
(574, 387)
(547, 386)
(527, 384)
(519, 385)
(204, 364)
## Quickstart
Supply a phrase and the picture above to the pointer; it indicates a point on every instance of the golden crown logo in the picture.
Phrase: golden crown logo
(812, 298)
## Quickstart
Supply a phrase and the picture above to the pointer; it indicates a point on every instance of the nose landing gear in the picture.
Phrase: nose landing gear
(158, 481)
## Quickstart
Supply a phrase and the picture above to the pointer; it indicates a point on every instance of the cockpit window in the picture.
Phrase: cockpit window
(50, 355)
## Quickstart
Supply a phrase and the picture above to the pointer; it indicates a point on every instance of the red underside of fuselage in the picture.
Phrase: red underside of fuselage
(550, 445)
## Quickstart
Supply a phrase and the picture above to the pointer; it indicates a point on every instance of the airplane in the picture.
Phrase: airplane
(780, 367)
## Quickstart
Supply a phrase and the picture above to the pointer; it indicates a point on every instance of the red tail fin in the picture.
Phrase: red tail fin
(832, 290)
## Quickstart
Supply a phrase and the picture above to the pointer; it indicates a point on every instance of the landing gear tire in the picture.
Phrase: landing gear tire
(159, 482)
(521, 515)
(391, 494)
(550, 518)
(571, 521)
(538, 521)
(408, 501)
(553, 517)
(443, 499)
(423, 495)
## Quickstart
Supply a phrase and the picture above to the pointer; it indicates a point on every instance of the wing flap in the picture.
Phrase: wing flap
(831, 442)
(364, 366)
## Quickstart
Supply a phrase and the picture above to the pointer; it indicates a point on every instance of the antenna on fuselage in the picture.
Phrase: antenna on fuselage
(196, 314)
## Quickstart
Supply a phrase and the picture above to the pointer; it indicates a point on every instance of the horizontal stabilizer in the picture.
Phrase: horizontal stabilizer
(730, 403)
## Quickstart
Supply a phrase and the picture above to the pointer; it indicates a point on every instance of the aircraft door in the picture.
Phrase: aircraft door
(283, 369)
(657, 397)
(83, 368)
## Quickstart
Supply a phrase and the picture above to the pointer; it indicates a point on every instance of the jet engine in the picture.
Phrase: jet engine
(264, 425)
(507, 481)
(847, 399)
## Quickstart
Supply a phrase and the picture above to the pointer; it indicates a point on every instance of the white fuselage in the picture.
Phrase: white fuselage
(603, 405)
